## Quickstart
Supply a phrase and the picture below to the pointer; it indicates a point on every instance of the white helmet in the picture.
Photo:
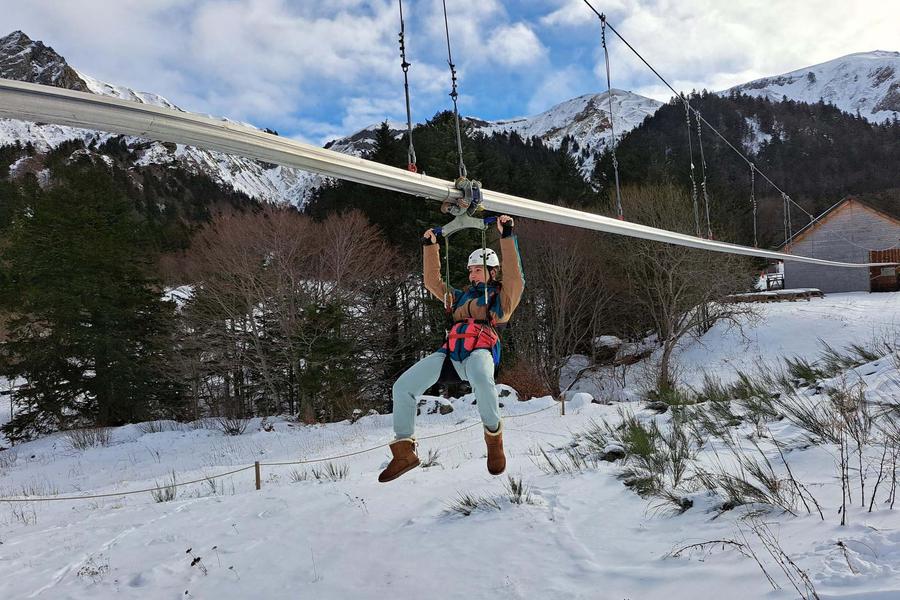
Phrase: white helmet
(479, 258)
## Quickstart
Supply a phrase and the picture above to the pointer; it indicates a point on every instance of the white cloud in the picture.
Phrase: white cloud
(712, 44)
(515, 46)
(321, 67)
(469, 24)
(575, 13)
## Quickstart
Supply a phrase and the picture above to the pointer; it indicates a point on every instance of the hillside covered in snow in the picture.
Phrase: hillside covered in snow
(865, 83)
(739, 489)
(24, 59)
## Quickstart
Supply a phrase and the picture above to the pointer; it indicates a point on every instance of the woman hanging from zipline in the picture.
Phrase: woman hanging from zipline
(472, 346)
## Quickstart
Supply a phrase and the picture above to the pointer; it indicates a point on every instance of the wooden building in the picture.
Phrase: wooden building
(850, 231)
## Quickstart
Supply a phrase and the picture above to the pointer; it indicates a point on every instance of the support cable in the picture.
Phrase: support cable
(410, 151)
(784, 195)
(696, 113)
(753, 202)
(787, 206)
(612, 126)
(703, 186)
(47, 104)
(454, 95)
(784, 218)
(687, 116)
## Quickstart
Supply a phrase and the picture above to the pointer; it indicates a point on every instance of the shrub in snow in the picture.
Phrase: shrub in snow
(160, 426)
(232, 425)
(563, 461)
(466, 504)
(441, 406)
(166, 492)
(298, 476)
(330, 472)
(94, 568)
(82, 439)
(432, 459)
(517, 491)
(8, 458)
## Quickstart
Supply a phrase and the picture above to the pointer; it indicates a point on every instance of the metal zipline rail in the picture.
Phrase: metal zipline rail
(45, 104)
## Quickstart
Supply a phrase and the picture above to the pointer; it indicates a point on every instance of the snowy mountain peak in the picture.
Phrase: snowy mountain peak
(585, 118)
(24, 59)
(865, 82)
(123, 93)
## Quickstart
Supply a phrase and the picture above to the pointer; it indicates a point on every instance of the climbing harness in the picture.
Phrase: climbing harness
(486, 333)
(411, 151)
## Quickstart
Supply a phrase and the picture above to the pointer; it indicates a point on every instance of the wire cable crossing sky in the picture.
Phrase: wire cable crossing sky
(47, 104)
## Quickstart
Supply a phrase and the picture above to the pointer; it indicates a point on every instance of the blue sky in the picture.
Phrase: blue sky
(315, 70)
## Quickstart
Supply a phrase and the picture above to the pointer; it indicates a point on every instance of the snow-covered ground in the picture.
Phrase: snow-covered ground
(788, 329)
(760, 341)
(583, 535)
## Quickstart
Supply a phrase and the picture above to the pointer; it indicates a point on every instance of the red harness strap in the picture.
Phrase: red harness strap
(474, 338)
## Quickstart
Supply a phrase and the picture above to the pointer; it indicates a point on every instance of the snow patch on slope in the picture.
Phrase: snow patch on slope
(866, 82)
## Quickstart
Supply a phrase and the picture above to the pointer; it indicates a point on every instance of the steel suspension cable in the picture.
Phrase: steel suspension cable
(404, 64)
(697, 114)
(784, 218)
(454, 95)
(687, 116)
(703, 185)
(753, 202)
(46, 104)
(787, 199)
(787, 218)
(612, 126)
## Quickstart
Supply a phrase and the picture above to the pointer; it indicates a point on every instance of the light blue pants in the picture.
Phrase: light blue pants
(477, 369)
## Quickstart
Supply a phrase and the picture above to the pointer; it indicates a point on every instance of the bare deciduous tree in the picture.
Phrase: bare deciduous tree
(678, 289)
(280, 305)
(564, 307)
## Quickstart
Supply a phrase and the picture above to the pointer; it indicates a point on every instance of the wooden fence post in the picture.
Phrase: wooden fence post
(562, 405)
(258, 478)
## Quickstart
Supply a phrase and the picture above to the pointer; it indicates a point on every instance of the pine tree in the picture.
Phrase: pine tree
(89, 332)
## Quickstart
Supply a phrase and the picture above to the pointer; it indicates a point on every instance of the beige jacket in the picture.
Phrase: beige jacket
(510, 291)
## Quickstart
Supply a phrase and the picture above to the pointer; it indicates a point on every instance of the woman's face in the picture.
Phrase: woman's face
(476, 274)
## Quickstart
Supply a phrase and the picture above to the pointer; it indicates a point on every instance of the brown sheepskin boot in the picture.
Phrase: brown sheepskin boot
(496, 461)
(404, 460)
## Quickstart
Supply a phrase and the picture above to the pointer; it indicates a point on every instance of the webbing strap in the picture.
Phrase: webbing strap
(484, 270)
(447, 293)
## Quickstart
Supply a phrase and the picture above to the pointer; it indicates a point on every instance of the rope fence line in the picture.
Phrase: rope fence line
(128, 493)
(256, 466)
